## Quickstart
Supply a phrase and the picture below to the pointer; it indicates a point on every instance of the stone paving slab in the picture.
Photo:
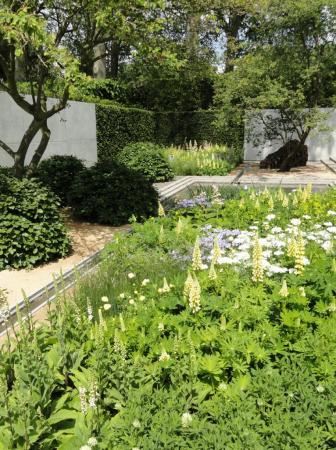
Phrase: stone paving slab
(317, 174)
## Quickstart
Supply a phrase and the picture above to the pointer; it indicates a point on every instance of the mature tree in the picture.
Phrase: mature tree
(234, 19)
(106, 29)
(23, 36)
(289, 67)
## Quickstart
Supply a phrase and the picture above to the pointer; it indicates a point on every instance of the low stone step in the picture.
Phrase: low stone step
(174, 187)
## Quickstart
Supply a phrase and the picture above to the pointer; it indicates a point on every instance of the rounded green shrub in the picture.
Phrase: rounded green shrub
(111, 193)
(147, 159)
(58, 172)
(31, 229)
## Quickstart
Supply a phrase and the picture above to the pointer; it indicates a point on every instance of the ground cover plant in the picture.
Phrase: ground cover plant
(211, 327)
(204, 160)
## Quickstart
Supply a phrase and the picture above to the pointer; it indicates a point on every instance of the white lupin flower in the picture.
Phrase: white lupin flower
(197, 256)
(284, 289)
(92, 441)
(164, 356)
(186, 419)
(82, 399)
(89, 311)
(161, 326)
(136, 423)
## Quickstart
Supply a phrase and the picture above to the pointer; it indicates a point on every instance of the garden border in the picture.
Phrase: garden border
(48, 293)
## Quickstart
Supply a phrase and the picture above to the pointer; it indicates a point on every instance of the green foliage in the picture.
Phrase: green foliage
(125, 362)
(31, 229)
(58, 173)
(179, 128)
(147, 159)
(282, 70)
(111, 193)
(119, 126)
(206, 160)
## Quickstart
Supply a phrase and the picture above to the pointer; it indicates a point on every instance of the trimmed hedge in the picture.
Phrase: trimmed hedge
(180, 127)
(119, 126)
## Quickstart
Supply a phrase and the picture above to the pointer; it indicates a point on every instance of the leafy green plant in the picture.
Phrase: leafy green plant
(128, 362)
(147, 159)
(31, 228)
(58, 173)
(206, 160)
(111, 193)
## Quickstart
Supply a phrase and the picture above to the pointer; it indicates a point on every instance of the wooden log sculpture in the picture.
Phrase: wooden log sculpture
(292, 154)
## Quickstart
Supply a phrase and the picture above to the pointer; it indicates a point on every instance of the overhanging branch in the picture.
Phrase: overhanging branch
(7, 149)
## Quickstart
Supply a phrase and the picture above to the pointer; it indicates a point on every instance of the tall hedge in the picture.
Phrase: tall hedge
(118, 126)
(180, 127)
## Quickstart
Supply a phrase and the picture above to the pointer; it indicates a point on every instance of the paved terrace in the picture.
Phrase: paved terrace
(320, 175)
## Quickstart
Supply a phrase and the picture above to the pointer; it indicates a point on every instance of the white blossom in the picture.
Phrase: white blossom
(186, 419)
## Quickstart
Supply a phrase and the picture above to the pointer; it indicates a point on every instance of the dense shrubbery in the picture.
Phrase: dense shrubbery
(31, 230)
(147, 159)
(240, 353)
(111, 193)
(119, 126)
(58, 173)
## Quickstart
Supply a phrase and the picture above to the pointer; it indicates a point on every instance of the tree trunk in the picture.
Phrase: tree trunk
(114, 59)
(20, 154)
(192, 37)
(99, 65)
(232, 29)
(40, 150)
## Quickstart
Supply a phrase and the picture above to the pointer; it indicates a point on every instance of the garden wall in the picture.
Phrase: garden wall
(73, 130)
(321, 144)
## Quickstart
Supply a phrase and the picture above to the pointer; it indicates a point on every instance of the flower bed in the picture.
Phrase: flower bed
(206, 160)
(212, 327)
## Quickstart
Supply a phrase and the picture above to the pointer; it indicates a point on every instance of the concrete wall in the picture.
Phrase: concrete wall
(73, 130)
(321, 144)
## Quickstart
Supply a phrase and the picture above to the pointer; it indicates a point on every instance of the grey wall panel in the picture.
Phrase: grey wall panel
(321, 144)
(73, 130)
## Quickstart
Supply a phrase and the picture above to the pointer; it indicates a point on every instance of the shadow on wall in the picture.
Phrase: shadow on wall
(321, 144)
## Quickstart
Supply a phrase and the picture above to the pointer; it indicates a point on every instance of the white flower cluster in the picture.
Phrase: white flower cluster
(239, 252)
